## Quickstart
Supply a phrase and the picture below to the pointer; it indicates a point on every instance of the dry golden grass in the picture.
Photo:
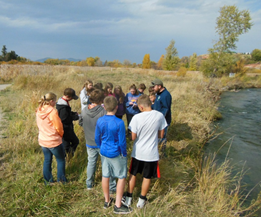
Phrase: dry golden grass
(188, 187)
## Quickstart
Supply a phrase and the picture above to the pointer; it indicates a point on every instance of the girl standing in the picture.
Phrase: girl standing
(85, 94)
(130, 103)
(120, 98)
(50, 137)
(108, 89)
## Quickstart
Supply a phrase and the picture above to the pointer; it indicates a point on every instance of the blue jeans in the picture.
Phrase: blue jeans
(93, 154)
(58, 152)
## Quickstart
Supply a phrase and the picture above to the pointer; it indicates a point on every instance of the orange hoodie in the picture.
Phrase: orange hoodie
(50, 127)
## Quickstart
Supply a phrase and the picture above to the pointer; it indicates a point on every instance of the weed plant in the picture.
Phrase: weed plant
(190, 185)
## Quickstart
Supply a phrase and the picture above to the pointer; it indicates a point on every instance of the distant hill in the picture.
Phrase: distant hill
(71, 59)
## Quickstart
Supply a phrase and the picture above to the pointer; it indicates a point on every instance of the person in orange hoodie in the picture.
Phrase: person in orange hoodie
(50, 137)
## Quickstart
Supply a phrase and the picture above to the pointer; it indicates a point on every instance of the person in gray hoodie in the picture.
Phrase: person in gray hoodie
(90, 115)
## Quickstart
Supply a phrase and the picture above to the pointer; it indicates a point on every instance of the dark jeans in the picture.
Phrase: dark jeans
(70, 142)
(129, 117)
(58, 152)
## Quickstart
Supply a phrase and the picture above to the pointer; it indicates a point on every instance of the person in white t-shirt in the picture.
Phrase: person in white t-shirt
(146, 127)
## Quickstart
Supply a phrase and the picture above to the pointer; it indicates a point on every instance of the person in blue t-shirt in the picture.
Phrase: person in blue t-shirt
(110, 138)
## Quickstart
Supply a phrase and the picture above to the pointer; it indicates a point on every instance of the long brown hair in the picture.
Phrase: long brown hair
(121, 94)
(87, 82)
(107, 86)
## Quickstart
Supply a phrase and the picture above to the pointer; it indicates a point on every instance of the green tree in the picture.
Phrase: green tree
(231, 23)
(4, 52)
(193, 62)
(171, 59)
(146, 62)
(256, 55)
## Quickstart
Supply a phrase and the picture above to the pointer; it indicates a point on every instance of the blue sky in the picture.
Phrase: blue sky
(117, 29)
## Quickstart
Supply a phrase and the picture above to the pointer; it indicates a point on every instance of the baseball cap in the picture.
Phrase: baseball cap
(157, 82)
(71, 93)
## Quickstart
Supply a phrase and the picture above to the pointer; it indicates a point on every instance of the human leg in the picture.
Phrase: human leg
(105, 188)
(145, 186)
(66, 145)
(74, 142)
(119, 191)
(59, 154)
(47, 165)
(93, 154)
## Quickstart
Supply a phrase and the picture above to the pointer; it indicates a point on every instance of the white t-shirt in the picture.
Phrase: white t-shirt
(146, 125)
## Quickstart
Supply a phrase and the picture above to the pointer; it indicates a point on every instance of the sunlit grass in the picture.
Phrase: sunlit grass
(189, 186)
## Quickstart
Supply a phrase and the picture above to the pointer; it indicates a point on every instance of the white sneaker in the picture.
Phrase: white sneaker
(126, 201)
(141, 203)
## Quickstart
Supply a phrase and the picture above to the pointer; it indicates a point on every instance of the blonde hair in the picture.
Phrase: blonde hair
(46, 99)
(144, 100)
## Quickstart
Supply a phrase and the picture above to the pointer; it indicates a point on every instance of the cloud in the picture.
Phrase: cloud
(137, 26)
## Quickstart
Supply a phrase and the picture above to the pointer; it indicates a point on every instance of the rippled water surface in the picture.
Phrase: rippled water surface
(241, 122)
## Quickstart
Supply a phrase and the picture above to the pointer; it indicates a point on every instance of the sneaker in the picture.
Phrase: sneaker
(108, 204)
(89, 187)
(122, 210)
(141, 203)
(126, 200)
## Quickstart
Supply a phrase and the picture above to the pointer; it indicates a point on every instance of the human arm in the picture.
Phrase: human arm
(127, 102)
(133, 136)
(160, 133)
(122, 139)
(56, 121)
(97, 137)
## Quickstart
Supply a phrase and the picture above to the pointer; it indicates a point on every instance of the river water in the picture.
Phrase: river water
(241, 127)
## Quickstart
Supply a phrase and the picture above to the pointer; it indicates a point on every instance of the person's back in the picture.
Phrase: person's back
(145, 128)
(146, 125)
(111, 131)
(90, 115)
(110, 138)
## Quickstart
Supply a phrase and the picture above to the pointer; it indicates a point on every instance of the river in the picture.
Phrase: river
(241, 127)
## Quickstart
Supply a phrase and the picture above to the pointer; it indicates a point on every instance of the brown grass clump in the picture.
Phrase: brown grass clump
(188, 187)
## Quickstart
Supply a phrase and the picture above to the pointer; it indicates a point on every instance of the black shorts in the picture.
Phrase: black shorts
(149, 169)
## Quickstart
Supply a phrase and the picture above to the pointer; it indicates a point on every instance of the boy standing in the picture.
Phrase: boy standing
(145, 127)
(90, 115)
(70, 140)
(110, 138)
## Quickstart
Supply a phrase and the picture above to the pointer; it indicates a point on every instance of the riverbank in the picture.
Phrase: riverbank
(188, 187)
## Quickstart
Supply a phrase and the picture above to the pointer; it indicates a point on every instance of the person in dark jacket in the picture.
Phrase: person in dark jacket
(162, 104)
(70, 140)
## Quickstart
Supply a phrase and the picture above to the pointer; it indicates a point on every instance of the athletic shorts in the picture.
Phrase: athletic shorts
(114, 167)
(149, 169)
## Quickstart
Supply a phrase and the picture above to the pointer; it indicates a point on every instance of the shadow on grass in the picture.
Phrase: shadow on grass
(179, 131)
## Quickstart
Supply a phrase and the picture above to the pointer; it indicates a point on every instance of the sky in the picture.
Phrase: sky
(117, 29)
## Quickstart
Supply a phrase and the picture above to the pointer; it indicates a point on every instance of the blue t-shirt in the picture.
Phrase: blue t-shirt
(110, 136)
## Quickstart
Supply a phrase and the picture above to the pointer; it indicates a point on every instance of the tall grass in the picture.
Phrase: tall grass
(189, 185)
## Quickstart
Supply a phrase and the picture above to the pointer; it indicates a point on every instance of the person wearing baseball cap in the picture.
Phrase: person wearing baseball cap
(162, 104)
(70, 140)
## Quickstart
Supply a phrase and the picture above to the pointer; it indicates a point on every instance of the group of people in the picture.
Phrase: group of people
(148, 118)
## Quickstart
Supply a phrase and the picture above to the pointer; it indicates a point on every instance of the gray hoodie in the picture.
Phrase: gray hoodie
(89, 119)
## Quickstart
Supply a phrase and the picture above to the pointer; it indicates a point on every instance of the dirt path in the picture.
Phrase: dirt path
(2, 87)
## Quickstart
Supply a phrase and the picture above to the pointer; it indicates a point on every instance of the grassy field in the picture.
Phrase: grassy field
(191, 185)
